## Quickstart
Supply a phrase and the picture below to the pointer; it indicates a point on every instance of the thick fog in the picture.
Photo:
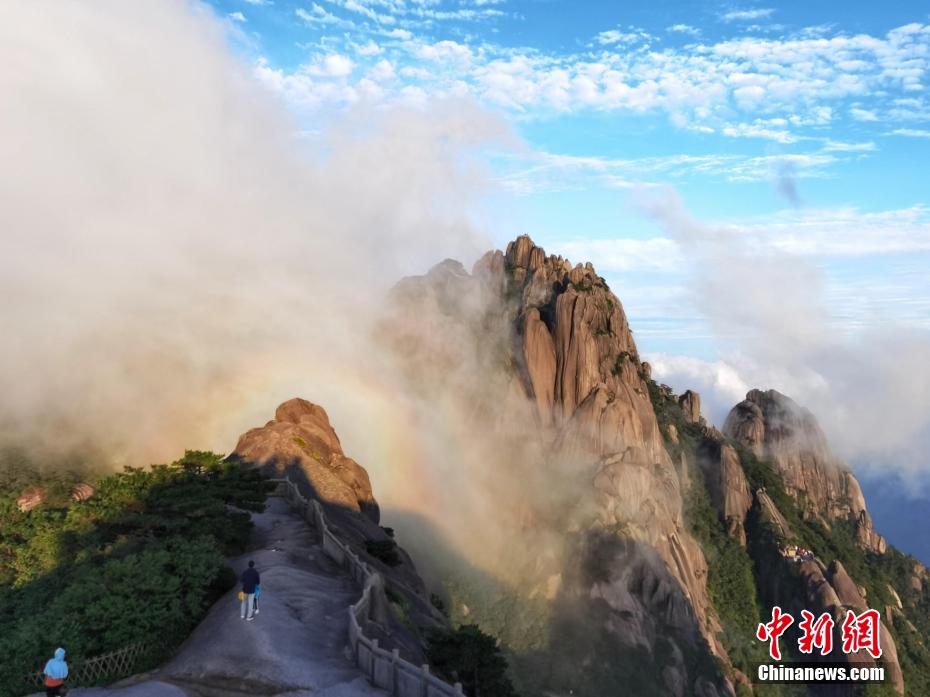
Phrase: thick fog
(176, 255)
(769, 311)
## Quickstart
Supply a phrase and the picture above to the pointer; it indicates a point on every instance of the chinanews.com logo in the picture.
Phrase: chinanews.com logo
(859, 638)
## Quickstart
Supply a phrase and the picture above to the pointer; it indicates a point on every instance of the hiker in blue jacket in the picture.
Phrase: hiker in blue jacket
(250, 580)
(55, 672)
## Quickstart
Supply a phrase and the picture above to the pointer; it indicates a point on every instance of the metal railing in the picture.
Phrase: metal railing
(384, 669)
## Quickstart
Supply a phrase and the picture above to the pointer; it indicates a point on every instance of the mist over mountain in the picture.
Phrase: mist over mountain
(178, 256)
(558, 400)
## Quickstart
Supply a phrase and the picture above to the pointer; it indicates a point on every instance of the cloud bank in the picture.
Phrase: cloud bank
(175, 258)
(869, 389)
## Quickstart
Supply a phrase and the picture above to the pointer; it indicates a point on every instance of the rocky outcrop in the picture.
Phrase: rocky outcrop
(35, 496)
(773, 515)
(300, 442)
(690, 403)
(583, 372)
(82, 492)
(775, 428)
(539, 357)
(851, 597)
(778, 430)
(727, 485)
(573, 359)
(31, 498)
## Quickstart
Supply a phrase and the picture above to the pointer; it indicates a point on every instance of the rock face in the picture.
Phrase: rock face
(831, 590)
(300, 442)
(36, 496)
(778, 430)
(774, 427)
(545, 363)
(690, 403)
(727, 485)
(567, 351)
(582, 369)
(31, 498)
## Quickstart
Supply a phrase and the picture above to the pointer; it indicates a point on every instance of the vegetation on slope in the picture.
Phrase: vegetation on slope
(471, 657)
(739, 579)
(140, 561)
(730, 580)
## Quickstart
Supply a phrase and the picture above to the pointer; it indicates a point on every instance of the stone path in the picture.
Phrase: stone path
(295, 647)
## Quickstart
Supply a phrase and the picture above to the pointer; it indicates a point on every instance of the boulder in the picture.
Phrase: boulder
(690, 403)
(31, 498)
(82, 492)
(300, 442)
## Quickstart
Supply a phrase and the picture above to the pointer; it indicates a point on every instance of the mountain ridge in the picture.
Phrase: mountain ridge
(651, 469)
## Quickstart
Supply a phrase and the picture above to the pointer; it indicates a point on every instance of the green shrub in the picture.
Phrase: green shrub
(621, 358)
(471, 657)
(140, 561)
(384, 551)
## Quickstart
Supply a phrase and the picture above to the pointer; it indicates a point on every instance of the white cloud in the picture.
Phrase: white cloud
(684, 29)
(382, 71)
(839, 232)
(719, 383)
(837, 146)
(369, 49)
(236, 16)
(363, 8)
(746, 15)
(190, 203)
(863, 114)
(810, 233)
(543, 171)
(334, 65)
(445, 51)
(259, 3)
(868, 388)
(657, 254)
(316, 15)
(911, 132)
(779, 89)
(759, 129)
(615, 36)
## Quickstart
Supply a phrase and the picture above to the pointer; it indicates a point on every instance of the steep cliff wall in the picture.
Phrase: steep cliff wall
(777, 429)
(553, 343)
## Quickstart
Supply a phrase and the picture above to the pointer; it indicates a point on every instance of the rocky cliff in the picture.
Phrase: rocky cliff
(778, 489)
(554, 348)
(618, 543)
(301, 444)
(775, 428)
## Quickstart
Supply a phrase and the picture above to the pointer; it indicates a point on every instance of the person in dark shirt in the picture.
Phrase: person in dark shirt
(250, 580)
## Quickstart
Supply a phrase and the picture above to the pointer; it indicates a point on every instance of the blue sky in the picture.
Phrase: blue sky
(814, 114)
(795, 136)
